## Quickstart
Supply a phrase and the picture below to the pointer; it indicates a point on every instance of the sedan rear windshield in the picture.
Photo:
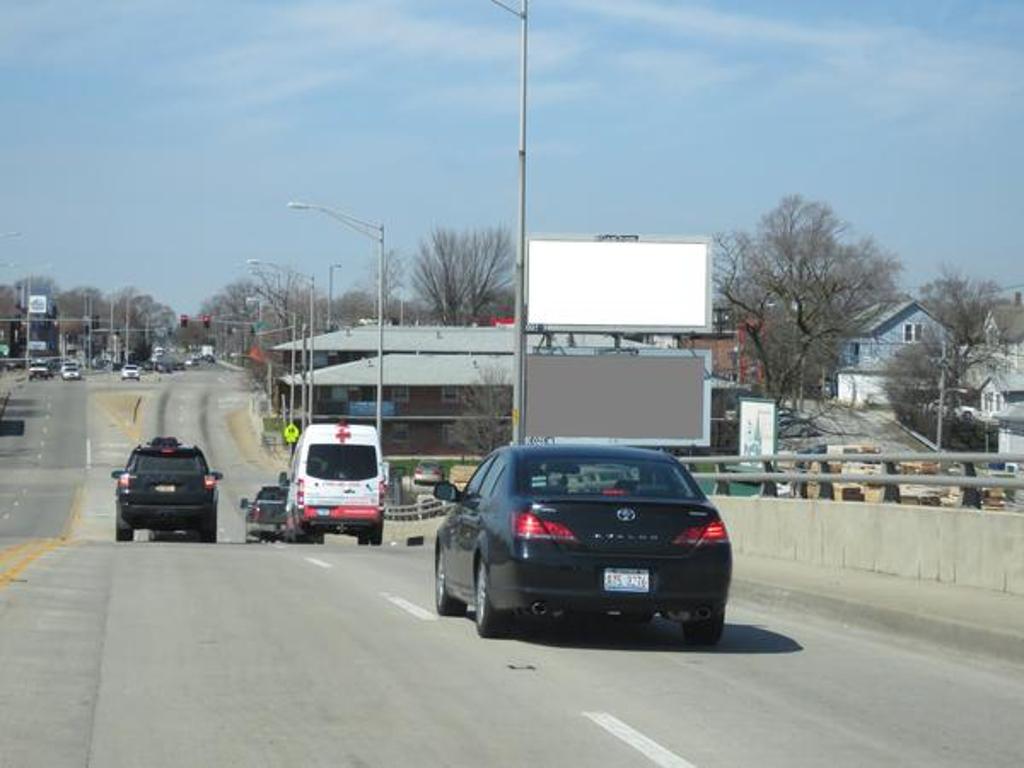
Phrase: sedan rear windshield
(341, 462)
(602, 477)
(169, 464)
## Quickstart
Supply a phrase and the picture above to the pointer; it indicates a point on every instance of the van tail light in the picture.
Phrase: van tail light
(711, 533)
(382, 491)
(124, 481)
(530, 527)
(209, 482)
(300, 493)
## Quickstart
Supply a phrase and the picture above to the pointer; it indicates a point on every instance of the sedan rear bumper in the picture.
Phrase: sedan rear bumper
(564, 581)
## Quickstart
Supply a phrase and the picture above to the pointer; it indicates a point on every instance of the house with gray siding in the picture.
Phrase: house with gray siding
(885, 330)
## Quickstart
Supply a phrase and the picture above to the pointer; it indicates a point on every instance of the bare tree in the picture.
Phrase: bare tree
(487, 410)
(461, 276)
(963, 305)
(797, 287)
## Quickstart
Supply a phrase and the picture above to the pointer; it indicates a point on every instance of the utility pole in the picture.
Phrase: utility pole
(312, 341)
(942, 394)
(291, 388)
(305, 410)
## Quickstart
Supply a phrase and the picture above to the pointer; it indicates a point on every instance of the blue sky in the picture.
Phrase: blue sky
(156, 142)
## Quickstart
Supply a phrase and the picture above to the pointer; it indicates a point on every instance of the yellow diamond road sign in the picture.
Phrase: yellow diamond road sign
(291, 433)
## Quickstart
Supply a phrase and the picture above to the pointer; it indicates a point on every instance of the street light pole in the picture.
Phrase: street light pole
(375, 232)
(330, 294)
(519, 362)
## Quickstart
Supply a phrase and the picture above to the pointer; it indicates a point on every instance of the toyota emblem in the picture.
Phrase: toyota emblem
(626, 514)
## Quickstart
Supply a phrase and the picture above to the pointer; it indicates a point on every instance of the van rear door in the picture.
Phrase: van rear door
(342, 475)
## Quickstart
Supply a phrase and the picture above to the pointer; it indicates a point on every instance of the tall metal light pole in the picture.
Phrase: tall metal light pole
(330, 294)
(519, 363)
(374, 232)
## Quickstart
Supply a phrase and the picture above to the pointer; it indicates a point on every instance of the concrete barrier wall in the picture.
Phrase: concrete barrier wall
(956, 546)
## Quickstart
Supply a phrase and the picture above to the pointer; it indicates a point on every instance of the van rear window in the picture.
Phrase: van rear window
(341, 462)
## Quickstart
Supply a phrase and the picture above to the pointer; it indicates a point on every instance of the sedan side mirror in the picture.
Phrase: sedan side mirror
(243, 504)
(282, 480)
(446, 492)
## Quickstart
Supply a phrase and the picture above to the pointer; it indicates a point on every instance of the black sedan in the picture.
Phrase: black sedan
(587, 529)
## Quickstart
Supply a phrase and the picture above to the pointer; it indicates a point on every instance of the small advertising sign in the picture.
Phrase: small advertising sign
(758, 421)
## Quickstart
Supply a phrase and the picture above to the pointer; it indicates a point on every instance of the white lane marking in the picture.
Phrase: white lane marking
(410, 608)
(279, 545)
(46, 430)
(88, 453)
(649, 748)
(319, 563)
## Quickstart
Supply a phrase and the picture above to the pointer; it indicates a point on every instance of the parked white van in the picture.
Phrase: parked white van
(336, 484)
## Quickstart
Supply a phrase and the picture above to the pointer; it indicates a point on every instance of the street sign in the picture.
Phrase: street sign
(291, 433)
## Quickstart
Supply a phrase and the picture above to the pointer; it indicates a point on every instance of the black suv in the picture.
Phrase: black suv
(167, 486)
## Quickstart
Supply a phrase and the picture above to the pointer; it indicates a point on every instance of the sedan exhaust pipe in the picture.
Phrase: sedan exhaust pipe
(539, 608)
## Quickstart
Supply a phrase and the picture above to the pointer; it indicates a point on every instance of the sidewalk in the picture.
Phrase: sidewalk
(963, 619)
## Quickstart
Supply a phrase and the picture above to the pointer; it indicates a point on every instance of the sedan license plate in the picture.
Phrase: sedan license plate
(627, 580)
(164, 489)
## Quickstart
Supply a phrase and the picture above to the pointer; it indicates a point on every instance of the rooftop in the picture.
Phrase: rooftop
(437, 339)
(423, 370)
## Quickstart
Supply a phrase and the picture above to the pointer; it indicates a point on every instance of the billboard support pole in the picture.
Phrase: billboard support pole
(519, 361)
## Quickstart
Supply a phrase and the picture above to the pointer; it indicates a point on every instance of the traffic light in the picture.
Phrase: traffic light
(206, 321)
(183, 321)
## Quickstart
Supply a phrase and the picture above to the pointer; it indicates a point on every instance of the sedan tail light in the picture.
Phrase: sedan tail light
(530, 527)
(710, 533)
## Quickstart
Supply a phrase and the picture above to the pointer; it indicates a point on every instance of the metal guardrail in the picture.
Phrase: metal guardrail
(421, 511)
(804, 473)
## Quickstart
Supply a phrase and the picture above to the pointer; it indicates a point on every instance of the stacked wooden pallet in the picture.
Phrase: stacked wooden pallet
(927, 495)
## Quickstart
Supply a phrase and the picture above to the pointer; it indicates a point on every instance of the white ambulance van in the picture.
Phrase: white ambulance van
(337, 484)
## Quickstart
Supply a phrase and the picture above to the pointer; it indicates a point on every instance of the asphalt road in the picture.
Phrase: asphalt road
(42, 459)
(175, 653)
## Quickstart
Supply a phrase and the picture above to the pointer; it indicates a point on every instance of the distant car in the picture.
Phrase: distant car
(189, 362)
(70, 372)
(163, 366)
(265, 515)
(166, 486)
(131, 372)
(428, 473)
(39, 369)
(583, 529)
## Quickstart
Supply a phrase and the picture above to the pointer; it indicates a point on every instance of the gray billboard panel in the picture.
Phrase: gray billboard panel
(657, 397)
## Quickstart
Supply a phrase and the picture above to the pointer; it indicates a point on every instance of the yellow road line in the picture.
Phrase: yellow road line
(40, 547)
(12, 551)
(14, 560)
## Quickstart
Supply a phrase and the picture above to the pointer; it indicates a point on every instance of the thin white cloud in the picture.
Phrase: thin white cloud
(896, 70)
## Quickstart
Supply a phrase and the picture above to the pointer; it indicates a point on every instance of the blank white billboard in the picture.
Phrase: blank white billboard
(628, 285)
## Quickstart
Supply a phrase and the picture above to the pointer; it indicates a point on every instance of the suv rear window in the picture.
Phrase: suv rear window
(341, 462)
(601, 477)
(182, 463)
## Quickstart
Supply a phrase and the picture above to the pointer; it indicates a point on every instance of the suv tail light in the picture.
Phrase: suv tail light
(300, 493)
(209, 482)
(711, 533)
(529, 526)
(124, 481)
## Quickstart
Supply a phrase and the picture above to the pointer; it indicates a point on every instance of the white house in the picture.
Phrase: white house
(1001, 391)
(1011, 429)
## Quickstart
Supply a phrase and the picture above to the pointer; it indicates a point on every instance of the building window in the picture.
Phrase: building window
(450, 395)
(912, 332)
(400, 394)
(400, 433)
(855, 349)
